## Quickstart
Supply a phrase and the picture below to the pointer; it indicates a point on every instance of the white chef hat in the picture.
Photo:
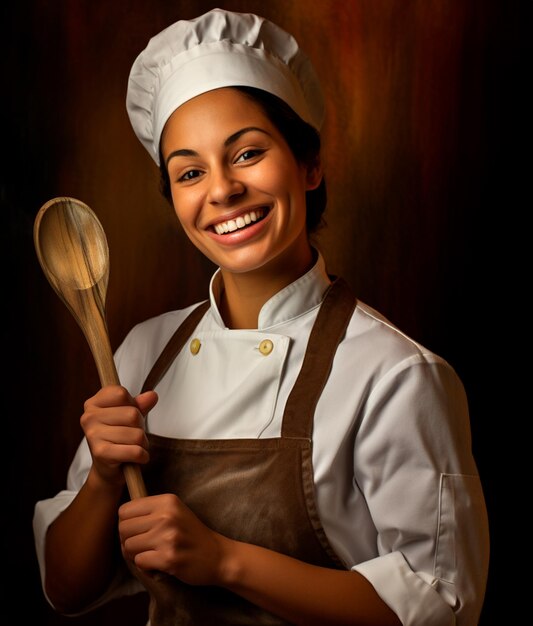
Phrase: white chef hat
(218, 49)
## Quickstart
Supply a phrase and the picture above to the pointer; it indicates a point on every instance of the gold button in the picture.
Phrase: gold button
(195, 346)
(266, 347)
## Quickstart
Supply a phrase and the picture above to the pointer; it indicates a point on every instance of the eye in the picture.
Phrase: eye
(248, 154)
(189, 175)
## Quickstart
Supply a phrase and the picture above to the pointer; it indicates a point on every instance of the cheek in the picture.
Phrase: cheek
(184, 208)
(177, 208)
(290, 184)
(279, 181)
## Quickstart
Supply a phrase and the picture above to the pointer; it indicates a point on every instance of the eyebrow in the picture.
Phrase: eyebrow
(231, 139)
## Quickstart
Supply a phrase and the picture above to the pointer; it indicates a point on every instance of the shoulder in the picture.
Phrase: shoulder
(385, 350)
(403, 391)
(156, 331)
(145, 342)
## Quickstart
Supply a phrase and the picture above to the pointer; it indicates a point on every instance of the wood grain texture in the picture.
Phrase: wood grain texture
(72, 249)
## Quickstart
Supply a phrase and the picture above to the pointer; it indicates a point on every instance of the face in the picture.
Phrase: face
(237, 189)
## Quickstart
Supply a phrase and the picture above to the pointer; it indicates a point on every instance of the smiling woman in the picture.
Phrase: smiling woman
(303, 140)
(306, 461)
(238, 168)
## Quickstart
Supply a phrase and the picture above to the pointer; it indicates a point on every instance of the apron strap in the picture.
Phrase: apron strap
(174, 345)
(327, 332)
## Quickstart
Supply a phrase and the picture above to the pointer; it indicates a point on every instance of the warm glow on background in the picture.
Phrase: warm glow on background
(416, 166)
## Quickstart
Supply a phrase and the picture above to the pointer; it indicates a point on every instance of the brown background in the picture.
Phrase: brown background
(425, 179)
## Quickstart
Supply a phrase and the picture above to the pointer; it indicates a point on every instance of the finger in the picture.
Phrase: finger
(145, 506)
(146, 401)
(111, 395)
(117, 433)
(117, 454)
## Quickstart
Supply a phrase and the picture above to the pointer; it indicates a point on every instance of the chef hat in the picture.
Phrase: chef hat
(218, 49)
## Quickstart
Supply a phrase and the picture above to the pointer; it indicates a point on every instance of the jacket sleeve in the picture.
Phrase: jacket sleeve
(414, 464)
(46, 511)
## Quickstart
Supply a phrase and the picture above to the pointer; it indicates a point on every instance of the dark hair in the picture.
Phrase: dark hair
(302, 139)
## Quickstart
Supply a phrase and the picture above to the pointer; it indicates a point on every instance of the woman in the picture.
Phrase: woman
(306, 462)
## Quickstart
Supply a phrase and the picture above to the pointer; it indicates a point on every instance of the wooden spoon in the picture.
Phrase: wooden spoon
(72, 249)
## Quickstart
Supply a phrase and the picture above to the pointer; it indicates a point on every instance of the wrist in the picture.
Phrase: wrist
(103, 485)
(231, 563)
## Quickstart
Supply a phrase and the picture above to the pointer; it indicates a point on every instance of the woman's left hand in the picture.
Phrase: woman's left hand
(161, 533)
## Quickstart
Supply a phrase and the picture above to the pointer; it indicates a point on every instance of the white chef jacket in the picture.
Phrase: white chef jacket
(397, 487)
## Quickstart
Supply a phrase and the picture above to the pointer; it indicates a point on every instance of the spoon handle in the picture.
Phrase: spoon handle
(98, 340)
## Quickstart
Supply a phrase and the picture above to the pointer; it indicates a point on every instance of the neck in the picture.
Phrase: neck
(245, 294)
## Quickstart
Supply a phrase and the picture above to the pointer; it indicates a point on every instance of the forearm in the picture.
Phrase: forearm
(82, 548)
(302, 593)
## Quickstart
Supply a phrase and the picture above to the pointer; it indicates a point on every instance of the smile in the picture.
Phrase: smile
(240, 222)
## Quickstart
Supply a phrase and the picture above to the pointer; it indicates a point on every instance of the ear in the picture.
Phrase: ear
(314, 174)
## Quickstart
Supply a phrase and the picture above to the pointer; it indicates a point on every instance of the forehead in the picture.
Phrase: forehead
(211, 115)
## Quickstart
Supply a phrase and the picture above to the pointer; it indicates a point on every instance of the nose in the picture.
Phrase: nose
(224, 187)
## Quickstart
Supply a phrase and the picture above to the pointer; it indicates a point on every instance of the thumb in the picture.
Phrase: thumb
(146, 401)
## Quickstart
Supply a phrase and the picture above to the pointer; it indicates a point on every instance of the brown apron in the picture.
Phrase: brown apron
(258, 491)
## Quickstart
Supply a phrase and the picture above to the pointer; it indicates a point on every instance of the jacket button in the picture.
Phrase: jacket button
(195, 346)
(266, 347)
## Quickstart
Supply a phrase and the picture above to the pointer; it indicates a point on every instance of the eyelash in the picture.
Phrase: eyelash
(187, 176)
(253, 152)
(192, 174)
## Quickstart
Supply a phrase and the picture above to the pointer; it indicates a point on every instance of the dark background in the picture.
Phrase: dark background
(427, 157)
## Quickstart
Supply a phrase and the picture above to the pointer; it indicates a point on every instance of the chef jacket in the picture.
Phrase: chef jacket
(397, 487)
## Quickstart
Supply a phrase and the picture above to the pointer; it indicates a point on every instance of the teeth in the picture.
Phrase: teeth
(239, 222)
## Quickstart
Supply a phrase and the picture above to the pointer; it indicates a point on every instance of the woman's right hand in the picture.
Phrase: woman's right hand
(113, 424)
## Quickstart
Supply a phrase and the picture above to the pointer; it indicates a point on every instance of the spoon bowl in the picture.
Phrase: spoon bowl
(74, 223)
(72, 250)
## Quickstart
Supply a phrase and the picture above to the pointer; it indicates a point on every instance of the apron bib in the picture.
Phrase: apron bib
(258, 491)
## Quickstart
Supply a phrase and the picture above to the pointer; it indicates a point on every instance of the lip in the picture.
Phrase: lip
(241, 235)
(235, 214)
